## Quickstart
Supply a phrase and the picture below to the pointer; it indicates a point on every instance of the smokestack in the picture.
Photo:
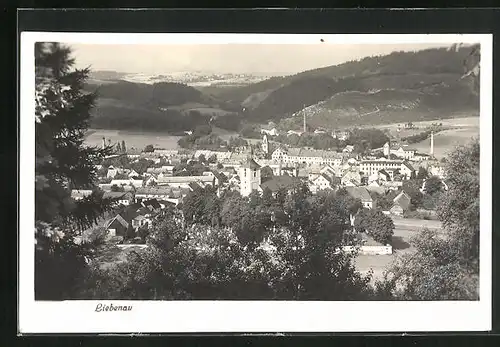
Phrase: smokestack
(103, 142)
(432, 143)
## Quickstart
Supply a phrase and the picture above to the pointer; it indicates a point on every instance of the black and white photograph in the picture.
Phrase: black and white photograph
(233, 169)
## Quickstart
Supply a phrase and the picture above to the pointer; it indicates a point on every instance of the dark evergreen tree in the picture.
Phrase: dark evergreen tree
(62, 163)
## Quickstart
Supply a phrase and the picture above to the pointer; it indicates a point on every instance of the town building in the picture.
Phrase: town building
(407, 170)
(348, 149)
(79, 194)
(340, 135)
(166, 152)
(123, 198)
(306, 156)
(399, 151)
(116, 226)
(136, 183)
(369, 167)
(279, 182)
(184, 181)
(112, 172)
(437, 170)
(362, 194)
(249, 173)
(323, 182)
(351, 178)
(160, 193)
(401, 203)
(269, 130)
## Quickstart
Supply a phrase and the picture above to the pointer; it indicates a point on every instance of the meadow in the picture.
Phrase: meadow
(458, 131)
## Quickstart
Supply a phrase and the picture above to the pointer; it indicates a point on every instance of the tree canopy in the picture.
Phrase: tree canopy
(62, 163)
(445, 264)
(263, 249)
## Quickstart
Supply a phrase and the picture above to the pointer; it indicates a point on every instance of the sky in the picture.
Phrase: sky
(269, 59)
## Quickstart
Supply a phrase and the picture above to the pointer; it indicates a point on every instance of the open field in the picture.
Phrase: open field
(139, 140)
(458, 131)
(405, 229)
(461, 122)
(447, 140)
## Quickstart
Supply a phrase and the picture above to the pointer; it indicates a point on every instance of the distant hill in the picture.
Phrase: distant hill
(162, 106)
(106, 75)
(402, 85)
(398, 87)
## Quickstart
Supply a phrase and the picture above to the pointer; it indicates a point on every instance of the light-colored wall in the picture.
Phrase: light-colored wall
(370, 250)
(248, 182)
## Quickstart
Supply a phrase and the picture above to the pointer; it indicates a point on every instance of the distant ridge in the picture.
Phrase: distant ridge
(398, 87)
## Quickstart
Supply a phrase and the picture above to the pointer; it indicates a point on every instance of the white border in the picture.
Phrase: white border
(247, 316)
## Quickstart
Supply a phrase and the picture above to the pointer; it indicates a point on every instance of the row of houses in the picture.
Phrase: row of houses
(290, 156)
(271, 130)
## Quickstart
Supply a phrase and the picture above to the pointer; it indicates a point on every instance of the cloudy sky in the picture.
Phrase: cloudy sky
(235, 58)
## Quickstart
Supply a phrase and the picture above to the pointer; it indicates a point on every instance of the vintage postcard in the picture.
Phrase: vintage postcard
(255, 183)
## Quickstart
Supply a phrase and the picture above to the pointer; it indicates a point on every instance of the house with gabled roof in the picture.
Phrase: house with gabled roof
(79, 194)
(112, 172)
(133, 173)
(384, 175)
(152, 204)
(407, 170)
(362, 194)
(351, 178)
(116, 226)
(401, 203)
(322, 182)
(123, 198)
(348, 149)
(279, 182)
(329, 171)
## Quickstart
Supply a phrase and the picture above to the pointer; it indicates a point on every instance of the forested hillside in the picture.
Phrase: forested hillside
(171, 107)
(426, 84)
(399, 87)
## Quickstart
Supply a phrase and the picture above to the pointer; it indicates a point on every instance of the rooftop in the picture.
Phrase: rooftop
(279, 182)
(250, 164)
(359, 193)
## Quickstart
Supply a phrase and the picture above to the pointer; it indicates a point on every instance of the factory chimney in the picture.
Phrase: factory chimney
(305, 126)
(432, 144)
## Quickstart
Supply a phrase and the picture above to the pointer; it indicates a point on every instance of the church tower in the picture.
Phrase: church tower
(249, 174)
(387, 149)
(265, 145)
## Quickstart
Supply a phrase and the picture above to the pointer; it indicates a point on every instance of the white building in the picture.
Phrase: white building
(185, 181)
(79, 194)
(369, 167)
(437, 170)
(320, 182)
(306, 156)
(400, 151)
(407, 170)
(153, 193)
(166, 152)
(362, 194)
(249, 173)
(127, 182)
(273, 131)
